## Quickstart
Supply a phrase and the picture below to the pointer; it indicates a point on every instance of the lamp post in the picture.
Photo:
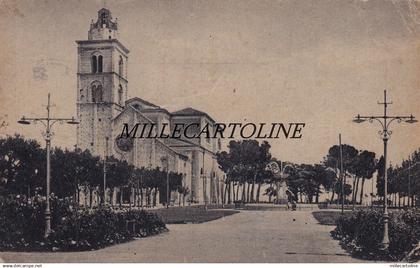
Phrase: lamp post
(105, 162)
(371, 196)
(48, 122)
(385, 120)
(203, 176)
(343, 178)
(165, 159)
(340, 176)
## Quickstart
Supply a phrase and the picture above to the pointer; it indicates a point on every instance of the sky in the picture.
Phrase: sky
(319, 62)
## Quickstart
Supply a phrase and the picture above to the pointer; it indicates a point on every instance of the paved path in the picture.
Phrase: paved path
(249, 236)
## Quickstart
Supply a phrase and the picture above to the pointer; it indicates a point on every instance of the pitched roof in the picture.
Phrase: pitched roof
(126, 108)
(142, 101)
(191, 112)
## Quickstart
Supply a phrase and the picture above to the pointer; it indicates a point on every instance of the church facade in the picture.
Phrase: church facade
(103, 108)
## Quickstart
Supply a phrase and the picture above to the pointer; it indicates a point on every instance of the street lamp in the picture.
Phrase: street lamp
(105, 162)
(165, 159)
(385, 120)
(339, 177)
(48, 122)
(204, 178)
(343, 178)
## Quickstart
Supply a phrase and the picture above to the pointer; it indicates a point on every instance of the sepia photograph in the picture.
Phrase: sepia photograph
(209, 132)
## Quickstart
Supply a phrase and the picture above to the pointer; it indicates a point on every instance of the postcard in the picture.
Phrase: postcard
(224, 131)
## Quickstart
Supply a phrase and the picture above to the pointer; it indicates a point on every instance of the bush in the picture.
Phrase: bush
(20, 222)
(22, 225)
(362, 231)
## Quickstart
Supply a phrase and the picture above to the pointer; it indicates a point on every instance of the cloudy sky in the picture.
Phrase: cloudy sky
(318, 62)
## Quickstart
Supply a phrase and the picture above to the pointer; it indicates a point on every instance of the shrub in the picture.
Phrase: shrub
(362, 231)
(20, 222)
(404, 232)
(22, 225)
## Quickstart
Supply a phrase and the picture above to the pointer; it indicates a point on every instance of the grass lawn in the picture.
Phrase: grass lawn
(327, 217)
(191, 214)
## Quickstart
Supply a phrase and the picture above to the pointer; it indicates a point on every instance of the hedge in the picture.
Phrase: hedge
(22, 225)
(362, 231)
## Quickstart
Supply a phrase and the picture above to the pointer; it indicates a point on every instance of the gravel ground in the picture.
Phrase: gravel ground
(249, 236)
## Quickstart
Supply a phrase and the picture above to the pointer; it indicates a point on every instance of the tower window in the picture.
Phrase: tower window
(97, 92)
(94, 64)
(93, 93)
(100, 64)
(121, 66)
(120, 95)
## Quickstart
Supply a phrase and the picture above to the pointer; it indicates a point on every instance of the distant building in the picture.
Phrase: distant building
(103, 108)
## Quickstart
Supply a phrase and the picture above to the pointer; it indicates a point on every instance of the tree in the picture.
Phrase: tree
(64, 173)
(349, 156)
(119, 175)
(300, 183)
(22, 166)
(270, 191)
(324, 177)
(403, 180)
(364, 167)
(408, 176)
(309, 179)
(244, 166)
(137, 177)
(347, 188)
(414, 175)
(92, 178)
(226, 164)
(184, 191)
(380, 176)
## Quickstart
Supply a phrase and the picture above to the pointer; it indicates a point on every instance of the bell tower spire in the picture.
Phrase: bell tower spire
(104, 27)
(102, 82)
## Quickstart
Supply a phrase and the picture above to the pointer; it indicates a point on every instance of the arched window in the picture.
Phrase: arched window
(100, 64)
(121, 67)
(93, 90)
(94, 64)
(96, 92)
(120, 95)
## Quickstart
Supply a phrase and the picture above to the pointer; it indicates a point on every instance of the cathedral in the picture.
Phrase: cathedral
(103, 108)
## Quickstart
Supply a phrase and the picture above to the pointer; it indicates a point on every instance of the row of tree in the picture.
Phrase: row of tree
(403, 181)
(245, 165)
(23, 171)
(245, 168)
(358, 166)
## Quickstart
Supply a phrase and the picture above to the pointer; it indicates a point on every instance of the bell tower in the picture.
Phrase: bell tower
(101, 82)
